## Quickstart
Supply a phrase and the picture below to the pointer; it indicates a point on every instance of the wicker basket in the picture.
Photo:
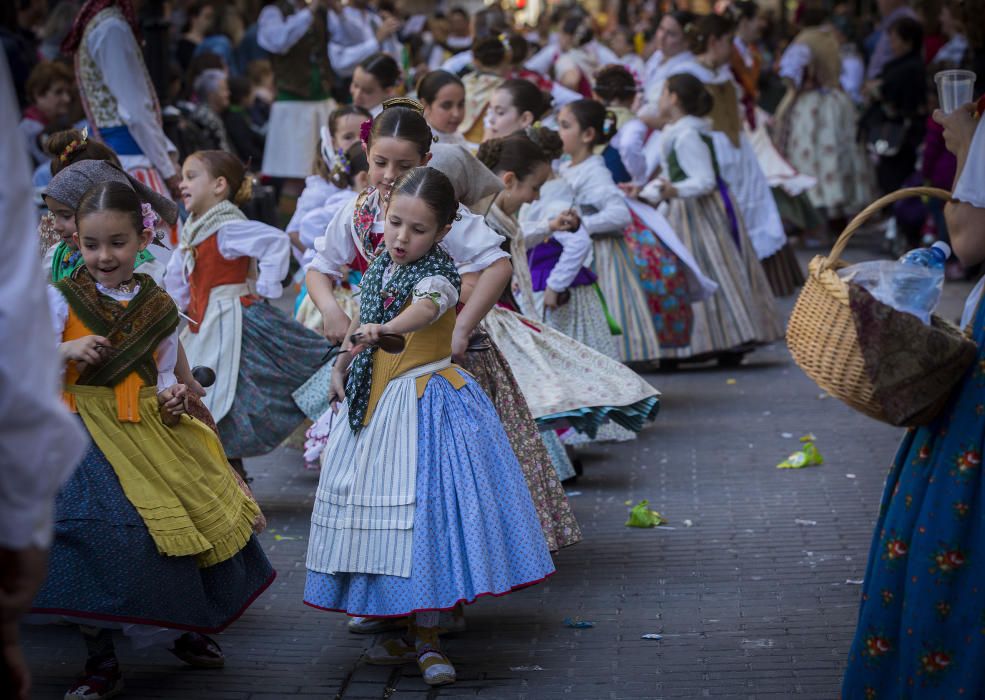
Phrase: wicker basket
(821, 334)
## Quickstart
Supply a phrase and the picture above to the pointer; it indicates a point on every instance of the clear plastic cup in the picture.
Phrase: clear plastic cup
(954, 88)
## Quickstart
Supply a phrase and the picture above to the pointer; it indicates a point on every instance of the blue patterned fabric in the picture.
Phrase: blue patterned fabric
(475, 528)
(559, 456)
(104, 564)
(588, 420)
(278, 355)
(921, 627)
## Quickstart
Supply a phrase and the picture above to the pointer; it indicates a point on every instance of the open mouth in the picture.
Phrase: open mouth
(399, 252)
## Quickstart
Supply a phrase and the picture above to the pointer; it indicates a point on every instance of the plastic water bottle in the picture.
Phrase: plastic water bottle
(916, 292)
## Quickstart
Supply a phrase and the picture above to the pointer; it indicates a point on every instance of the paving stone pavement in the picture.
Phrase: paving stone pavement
(753, 583)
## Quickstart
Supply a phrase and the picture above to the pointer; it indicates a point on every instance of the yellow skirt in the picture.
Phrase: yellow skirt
(177, 478)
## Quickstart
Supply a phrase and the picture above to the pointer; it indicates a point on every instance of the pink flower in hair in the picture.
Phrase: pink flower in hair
(364, 130)
(148, 215)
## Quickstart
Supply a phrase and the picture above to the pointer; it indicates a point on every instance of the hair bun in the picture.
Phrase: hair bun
(245, 191)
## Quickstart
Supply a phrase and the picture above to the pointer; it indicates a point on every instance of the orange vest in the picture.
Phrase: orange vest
(127, 392)
(211, 270)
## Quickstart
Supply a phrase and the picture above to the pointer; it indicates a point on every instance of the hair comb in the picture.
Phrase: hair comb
(404, 102)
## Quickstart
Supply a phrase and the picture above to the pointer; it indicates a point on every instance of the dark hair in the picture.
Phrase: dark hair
(430, 85)
(356, 162)
(692, 95)
(382, 67)
(345, 111)
(193, 11)
(489, 22)
(744, 9)
(615, 82)
(44, 76)
(519, 48)
(709, 26)
(239, 89)
(683, 18)
(592, 114)
(225, 164)
(527, 97)
(405, 123)
(579, 29)
(492, 50)
(88, 149)
(909, 30)
(434, 187)
(111, 196)
(521, 152)
(258, 69)
(458, 10)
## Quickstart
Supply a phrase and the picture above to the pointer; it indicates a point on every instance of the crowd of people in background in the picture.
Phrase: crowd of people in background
(492, 221)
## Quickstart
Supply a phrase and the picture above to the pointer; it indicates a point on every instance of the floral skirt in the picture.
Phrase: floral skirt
(475, 530)
(817, 135)
(582, 318)
(664, 284)
(493, 373)
(921, 625)
(278, 355)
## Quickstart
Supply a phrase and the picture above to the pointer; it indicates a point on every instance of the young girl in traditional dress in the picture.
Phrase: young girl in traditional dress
(374, 81)
(668, 274)
(260, 355)
(602, 210)
(62, 196)
(742, 314)
(443, 96)
(321, 188)
(491, 58)
(152, 533)
(515, 104)
(398, 140)
(565, 381)
(711, 41)
(438, 502)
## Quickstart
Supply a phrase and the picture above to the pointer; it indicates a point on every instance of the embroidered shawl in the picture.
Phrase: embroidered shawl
(381, 302)
(134, 330)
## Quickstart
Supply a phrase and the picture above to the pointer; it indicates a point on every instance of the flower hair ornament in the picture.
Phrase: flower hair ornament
(334, 158)
(364, 129)
(74, 145)
(505, 41)
(148, 216)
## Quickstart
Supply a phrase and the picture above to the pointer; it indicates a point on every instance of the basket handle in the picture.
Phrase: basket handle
(866, 214)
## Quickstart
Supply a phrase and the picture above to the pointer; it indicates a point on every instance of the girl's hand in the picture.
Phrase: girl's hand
(630, 190)
(959, 127)
(459, 346)
(667, 190)
(566, 221)
(335, 325)
(551, 299)
(336, 387)
(368, 334)
(87, 350)
(172, 400)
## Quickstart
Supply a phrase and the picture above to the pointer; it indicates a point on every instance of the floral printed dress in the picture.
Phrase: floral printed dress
(921, 629)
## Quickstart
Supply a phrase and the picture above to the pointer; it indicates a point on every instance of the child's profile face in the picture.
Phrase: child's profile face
(502, 117)
(665, 103)
(573, 137)
(366, 89)
(199, 190)
(346, 131)
(389, 158)
(410, 229)
(526, 190)
(109, 241)
(448, 109)
(64, 220)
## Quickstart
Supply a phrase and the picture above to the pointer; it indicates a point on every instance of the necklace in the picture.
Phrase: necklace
(128, 286)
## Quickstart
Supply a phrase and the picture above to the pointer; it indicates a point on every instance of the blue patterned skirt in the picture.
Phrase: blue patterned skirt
(278, 355)
(921, 626)
(476, 531)
(105, 566)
